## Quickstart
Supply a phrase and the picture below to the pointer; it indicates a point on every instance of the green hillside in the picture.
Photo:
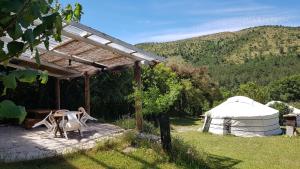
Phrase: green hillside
(261, 54)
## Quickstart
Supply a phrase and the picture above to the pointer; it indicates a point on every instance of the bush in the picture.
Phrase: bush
(254, 91)
(10, 111)
(185, 154)
(129, 123)
(287, 89)
(283, 109)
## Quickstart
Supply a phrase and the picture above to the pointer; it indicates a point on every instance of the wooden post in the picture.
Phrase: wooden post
(57, 93)
(165, 131)
(138, 99)
(87, 93)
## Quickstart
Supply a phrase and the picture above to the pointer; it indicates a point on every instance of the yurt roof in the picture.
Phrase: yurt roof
(243, 107)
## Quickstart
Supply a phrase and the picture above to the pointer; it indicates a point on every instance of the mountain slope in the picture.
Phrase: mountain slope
(260, 54)
(232, 47)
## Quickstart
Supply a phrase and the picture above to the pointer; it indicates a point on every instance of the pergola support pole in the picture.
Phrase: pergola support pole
(87, 93)
(138, 99)
(57, 93)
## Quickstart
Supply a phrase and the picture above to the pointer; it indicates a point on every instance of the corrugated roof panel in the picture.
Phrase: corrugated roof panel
(75, 30)
(120, 47)
(142, 56)
(98, 39)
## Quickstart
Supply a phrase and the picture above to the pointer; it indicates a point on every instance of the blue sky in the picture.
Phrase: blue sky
(138, 21)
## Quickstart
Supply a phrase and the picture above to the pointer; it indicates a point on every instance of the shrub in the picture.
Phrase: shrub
(186, 155)
(129, 123)
(10, 111)
(283, 109)
(287, 89)
(254, 91)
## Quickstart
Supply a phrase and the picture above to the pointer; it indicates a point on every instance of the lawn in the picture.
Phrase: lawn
(109, 156)
(258, 152)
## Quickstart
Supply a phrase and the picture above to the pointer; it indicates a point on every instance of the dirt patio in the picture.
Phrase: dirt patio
(18, 144)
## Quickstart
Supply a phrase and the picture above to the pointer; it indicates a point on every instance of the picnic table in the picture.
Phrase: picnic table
(58, 117)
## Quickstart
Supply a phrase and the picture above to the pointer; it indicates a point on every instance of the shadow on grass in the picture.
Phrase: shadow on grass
(184, 121)
(48, 163)
(215, 161)
(189, 157)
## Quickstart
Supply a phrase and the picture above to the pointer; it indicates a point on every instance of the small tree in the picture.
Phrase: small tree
(161, 90)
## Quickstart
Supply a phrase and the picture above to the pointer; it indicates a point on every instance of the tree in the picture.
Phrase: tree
(286, 89)
(198, 87)
(254, 91)
(161, 90)
(24, 24)
(283, 109)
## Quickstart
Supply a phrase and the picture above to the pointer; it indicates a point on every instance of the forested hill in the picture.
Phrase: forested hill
(245, 55)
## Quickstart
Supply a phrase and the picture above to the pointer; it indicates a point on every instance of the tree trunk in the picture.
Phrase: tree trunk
(165, 132)
(138, 99)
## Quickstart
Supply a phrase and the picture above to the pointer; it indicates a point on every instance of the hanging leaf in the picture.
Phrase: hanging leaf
(26, 76)
(15, 32)
(46, 43)
(58, 24)
(8, 110)
(43, 77)
(9, 81)
(37, 57)
(28, 36)
(38, 30)
(77, 11)
(15, 48)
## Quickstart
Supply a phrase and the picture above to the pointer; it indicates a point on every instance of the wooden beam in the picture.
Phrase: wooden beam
(73, 58)
(81, 52)
(55, 60)
(63, 44)
(52, 71)
(138, 98)
(109, 59)
(54, 66)
(87, 93)
(22, 68)
(57, 93)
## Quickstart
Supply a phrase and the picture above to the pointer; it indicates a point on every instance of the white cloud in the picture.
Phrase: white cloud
(231, 10)
(220, 25)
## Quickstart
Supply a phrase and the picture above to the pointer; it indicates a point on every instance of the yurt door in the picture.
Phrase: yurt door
(227, 126)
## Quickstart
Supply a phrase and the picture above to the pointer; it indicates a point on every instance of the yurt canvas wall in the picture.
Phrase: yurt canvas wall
(242, 116)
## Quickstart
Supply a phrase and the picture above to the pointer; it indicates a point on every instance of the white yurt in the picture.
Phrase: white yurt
(242, 116)
(294, 110)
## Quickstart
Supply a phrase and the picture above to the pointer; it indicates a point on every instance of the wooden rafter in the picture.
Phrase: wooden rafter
(73, 58)
(110, 59)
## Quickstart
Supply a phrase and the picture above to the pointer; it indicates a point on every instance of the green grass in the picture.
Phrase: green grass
(113, 159)
(183, 124)
(257, 152)
(108, 154)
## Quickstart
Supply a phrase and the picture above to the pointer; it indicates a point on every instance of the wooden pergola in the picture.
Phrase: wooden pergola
(84, 52)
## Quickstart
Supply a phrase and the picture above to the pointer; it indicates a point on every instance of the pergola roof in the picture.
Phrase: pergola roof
(84, 50)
